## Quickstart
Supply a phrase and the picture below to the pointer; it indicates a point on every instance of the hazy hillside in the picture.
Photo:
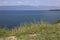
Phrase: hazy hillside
(24, 7)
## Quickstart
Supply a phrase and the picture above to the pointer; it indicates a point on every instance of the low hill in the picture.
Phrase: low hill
(26, 7)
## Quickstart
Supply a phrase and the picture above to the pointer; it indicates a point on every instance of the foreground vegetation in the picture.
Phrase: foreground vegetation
(33, 31)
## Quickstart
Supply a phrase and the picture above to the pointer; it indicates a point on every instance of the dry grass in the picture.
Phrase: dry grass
(35, 31)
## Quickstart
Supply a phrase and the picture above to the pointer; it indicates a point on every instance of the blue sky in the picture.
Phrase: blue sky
(30, 2)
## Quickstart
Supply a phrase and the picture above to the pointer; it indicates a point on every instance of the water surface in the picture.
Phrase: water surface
(12, 18)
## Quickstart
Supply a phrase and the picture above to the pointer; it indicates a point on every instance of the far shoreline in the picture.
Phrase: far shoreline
(54, 10)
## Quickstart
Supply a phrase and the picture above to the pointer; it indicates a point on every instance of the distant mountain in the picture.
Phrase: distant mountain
(25, 7)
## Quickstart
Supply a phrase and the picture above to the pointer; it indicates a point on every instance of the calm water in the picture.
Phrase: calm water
(13, 18)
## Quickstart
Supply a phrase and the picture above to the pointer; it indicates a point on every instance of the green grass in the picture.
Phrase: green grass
(34, 31)
(4, 32)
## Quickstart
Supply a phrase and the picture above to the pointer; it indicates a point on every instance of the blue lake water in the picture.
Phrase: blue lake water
(12, 18)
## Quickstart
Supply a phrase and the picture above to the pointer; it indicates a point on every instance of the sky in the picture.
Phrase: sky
(30, 2)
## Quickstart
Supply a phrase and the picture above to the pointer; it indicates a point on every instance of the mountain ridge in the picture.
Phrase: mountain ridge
(26, 7)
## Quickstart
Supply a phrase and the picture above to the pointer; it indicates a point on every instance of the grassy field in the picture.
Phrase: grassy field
(33, 31)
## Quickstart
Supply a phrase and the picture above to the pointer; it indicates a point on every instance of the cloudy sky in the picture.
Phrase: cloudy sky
(30, 2)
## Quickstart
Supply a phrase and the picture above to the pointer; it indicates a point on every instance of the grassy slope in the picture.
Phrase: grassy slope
(34, 31)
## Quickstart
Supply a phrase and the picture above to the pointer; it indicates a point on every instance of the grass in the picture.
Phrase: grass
(33, 31)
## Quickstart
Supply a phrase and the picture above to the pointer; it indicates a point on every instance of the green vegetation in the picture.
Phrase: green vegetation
(34, 31)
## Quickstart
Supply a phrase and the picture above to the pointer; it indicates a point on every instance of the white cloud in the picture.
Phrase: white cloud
(19, 2)
(33, 3)
(10, 3)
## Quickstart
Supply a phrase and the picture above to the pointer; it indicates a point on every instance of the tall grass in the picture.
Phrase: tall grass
(34, 31)
(4, 32)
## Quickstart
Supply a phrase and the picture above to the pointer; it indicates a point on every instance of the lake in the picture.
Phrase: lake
(12, 18)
